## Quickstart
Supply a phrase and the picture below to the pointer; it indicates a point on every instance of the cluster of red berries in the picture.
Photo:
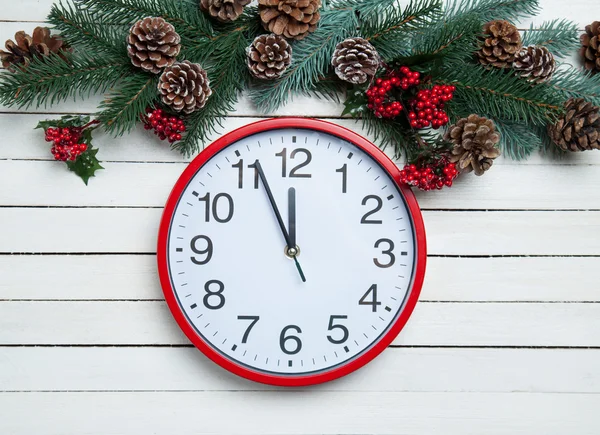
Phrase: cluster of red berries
(428, 107)
(378, 95)
(164, 126)
(66, 143)
(430, 177)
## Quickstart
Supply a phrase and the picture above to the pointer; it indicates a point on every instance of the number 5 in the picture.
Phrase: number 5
(344, 330)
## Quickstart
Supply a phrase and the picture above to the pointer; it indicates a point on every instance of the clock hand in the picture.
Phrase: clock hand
(291, 248)
(292, 216)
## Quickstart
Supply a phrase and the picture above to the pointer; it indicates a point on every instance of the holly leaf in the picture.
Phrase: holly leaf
(86, 164)
(65, 121)
(356, 103)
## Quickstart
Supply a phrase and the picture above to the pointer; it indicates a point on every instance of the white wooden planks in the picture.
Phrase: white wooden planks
(104, 369)
(432, 324)
(300, 412)
(149, 185)
(500, 342)
(133, 277)
(134, 230)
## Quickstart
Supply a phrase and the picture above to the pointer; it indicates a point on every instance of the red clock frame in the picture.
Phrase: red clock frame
(366, 356)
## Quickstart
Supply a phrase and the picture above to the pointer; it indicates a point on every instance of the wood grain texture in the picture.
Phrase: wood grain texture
(397, 369)
(149, 185)
(133, 277)
(505, 339)
(432, 324)
(133, 230)
(300, 412)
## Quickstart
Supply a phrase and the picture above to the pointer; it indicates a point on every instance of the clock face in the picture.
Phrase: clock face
(288, 253)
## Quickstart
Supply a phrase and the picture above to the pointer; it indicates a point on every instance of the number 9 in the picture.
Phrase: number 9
(208, 251)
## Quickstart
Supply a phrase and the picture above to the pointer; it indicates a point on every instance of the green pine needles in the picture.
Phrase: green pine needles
(437, 39)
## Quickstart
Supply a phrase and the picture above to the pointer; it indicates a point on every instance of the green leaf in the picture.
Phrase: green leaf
(86, 164)
(356, 102)
(65, 121)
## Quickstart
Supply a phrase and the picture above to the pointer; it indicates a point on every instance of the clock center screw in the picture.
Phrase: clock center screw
(291, 252)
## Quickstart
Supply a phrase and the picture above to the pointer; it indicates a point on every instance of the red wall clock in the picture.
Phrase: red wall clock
(288, 252)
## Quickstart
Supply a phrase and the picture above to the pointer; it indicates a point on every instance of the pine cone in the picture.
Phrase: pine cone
(269, 56)
(500, 45)
(579, 128)
(153, 44)
(224, 10)
(590, 46)
(184, 87)
(294, 19)
(536, 64)
(355, 60)
(25, 47)
(475, 142)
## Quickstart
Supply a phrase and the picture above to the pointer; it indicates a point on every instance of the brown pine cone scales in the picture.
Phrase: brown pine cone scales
(502, 41)
(293, 19)
(24, 48)
(536, 64)
(475, 142)
(579, 128)
(269, 56)
(184, 87)
(224, 10)
(153, 44)
(590, 47)
(355, 60)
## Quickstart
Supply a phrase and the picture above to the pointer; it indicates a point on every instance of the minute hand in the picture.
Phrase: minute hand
(284, 231)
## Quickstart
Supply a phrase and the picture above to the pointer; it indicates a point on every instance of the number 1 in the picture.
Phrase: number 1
(344, 171)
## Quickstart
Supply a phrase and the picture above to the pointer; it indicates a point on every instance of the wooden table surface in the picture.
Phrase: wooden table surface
(505, 338)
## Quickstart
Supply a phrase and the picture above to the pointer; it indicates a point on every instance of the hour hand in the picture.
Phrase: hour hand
(292, 221)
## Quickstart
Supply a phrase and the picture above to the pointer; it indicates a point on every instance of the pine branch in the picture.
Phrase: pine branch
(185, 15)
(121, 110)
(574, 83)
(517, 141)
(362, 8)
(80, 28)
(228, 78)
(311, 60)
(389, 30)
(52, 79)
(455, 36)
(487, 10)
(500, 95)
(561, 37)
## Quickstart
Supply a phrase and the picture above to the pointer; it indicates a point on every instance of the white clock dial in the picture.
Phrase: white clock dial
(246, 298)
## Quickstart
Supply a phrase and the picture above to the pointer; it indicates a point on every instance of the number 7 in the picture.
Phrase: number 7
(247, 333)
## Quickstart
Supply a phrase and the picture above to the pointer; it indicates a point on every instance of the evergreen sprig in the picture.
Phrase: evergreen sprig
(395, 24)
(185, 15)
(122, 108)
(228, 78)
(53, 79)
(311, 60)
(573, 83)
(517, 141)
(81, 28)
(560, 37)
(496, 94)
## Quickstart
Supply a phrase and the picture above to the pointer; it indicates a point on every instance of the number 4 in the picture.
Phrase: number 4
(373, 302)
